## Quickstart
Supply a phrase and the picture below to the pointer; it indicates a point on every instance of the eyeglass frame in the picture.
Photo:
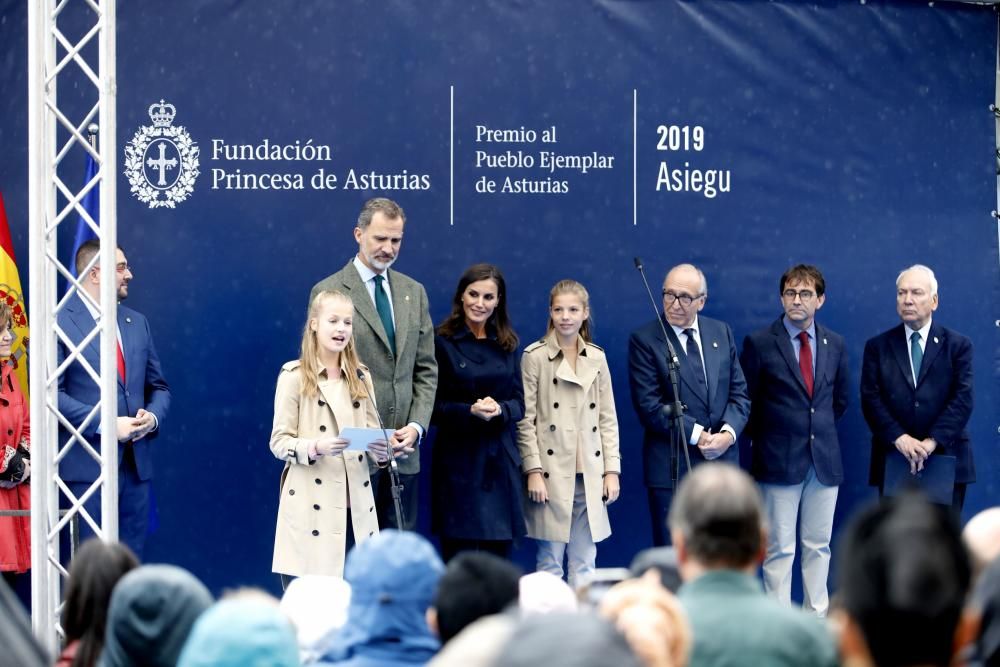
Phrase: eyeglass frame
(686, 299)
(803, 294)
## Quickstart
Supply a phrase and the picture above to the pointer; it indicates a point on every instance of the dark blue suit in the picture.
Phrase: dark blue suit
(726, 402)
(144, 387)
(939, 406)
(790, 430)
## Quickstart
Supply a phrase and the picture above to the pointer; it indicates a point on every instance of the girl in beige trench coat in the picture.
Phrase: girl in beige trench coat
(316, 397)
(568, 438)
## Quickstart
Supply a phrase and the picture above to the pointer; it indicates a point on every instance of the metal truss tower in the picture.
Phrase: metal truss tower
(73, 42)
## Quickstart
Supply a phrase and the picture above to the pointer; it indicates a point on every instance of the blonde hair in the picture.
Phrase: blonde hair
(577, 290)
(309, 357)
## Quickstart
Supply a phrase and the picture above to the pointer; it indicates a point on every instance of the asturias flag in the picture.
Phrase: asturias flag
(10, 291)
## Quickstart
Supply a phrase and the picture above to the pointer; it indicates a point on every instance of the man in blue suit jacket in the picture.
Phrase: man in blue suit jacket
(711, 386)
(797, 377)
(143, 401)
(927, 415)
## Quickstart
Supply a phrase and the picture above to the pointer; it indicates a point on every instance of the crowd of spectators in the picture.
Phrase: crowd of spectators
(912, 590)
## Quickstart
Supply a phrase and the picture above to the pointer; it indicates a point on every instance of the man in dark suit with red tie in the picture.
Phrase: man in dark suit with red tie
(916, 386)
(797, 378)
(143, 400)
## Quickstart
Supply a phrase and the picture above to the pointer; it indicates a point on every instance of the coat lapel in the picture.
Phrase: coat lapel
(897, 341)
(711, 350)
(787, 350)
(84, 323)
(342, 417)
(935, 339)
(402, 301)
(822, 357)
(363, 305)
(586, 368)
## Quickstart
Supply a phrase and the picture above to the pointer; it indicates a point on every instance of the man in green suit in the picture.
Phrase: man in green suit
(394, 337)
(717, 524)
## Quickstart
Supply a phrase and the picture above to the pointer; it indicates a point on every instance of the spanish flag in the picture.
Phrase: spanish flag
(10, 291)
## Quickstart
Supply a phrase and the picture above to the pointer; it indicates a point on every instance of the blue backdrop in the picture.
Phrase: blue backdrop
(854, 136)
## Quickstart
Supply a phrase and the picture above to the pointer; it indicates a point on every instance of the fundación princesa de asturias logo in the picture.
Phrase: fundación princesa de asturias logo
(161, 161)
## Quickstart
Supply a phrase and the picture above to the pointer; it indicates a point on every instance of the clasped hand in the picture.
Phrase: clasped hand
(915, 451)
(485, 408)
(714, 445)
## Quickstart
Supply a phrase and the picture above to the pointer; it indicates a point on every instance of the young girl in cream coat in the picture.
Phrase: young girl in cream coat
(326, 498)
(568, 438)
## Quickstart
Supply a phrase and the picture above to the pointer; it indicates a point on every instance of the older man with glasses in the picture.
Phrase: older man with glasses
(711, 387)
(797, 377)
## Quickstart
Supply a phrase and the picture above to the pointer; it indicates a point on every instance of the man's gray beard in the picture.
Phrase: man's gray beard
(379, 266)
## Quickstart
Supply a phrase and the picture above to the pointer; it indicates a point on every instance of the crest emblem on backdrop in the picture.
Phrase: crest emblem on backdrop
(161, 160)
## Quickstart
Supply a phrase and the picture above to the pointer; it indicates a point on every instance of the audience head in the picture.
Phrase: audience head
(661, 559)
(903, 577)
(473, 585)
(986, 603)
(545, 593)
(151, 614)
(393, 577)
(481, 295)
(652, 620)
(95, 570)
(317, 606)
(566, 639)
(245, 629)
(567, 295)
(717, 520)
(982, 537)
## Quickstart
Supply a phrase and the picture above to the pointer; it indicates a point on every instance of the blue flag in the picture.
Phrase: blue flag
(92, 204)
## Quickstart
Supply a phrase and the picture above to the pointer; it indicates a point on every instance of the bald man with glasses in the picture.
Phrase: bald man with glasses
(712, 388)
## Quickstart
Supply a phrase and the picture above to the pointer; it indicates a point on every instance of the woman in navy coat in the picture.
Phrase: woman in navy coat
(476, 484)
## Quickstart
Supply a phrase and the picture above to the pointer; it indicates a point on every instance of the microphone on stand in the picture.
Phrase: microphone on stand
(674, 411)
(397, 487)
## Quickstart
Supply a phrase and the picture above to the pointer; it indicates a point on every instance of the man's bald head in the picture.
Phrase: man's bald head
(982, 538)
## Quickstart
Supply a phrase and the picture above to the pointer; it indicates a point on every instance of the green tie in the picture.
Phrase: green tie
(384, 312)
(916, 354)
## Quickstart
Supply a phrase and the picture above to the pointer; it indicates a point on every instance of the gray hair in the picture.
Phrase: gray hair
(720, 514)
(387, 207)
(920, 268)
(701, 275)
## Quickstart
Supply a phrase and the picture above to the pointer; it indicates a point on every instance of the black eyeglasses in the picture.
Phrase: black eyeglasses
(803, 294)
(685, 299)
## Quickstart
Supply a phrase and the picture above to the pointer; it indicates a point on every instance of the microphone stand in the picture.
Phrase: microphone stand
(675, 409)
(396, 485)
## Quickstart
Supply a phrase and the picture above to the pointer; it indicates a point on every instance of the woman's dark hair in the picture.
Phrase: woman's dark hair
(499, 320)
(95, 570)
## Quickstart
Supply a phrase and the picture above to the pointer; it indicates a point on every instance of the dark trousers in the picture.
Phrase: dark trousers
(133, 506)
(451, 547)
(382, 490)
(659, 506)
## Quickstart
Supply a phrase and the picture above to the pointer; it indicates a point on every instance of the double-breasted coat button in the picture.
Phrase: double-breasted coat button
(361, 457)
(366, 482)
(10, 431)
(371, 533)
(322, 427)
(371, 509)
(545, 475)
(555, 380)
(556, 404)
(322, 402)
(550, 452)
(357, 404)
(315, 507)
(593, 405)
(319, 481)
(594, 429)
(597, 453)
(291, 492)
(552, 427)
(315, 532)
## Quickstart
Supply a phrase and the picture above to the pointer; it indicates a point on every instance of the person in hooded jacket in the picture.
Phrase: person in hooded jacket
(152, 611)
(393, 578)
